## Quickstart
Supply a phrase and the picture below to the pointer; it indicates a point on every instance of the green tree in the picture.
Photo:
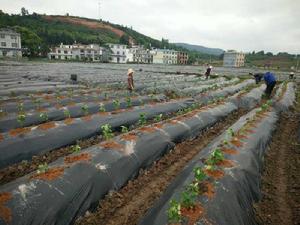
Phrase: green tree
(124, 39)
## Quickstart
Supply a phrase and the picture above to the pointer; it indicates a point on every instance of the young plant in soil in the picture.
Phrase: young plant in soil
(128, 102)
(102, 108)
(215, 157)
(42, 168)
(158, 118)
(107, 131)
(142, 119)
(116, 104)
(21, 119)
(85, 110)
(76, 148)
(199, 174)
(174, 212)
(67, 113)
(38, 102)
(21, 107)
(44, 117)
(124, 129)
(188, 199)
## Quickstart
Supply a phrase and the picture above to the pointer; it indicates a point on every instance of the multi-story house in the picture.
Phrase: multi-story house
(138, 54)
(234, 59)
(10, 43)
(118, 53)
(164, 56)
(92, 52)
(182, 58)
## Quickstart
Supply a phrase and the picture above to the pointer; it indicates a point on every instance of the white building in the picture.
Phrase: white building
(164, 56)
(233, 59)
(10, 43)
(118, 54)
(138, 54)
(92, 52)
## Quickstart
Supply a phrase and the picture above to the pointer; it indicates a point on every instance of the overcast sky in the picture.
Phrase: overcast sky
(247, 25)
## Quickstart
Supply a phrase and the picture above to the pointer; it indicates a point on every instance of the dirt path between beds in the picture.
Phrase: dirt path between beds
(281, 177)
(128, 205)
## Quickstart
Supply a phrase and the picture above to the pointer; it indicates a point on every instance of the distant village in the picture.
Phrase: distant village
(10, 46)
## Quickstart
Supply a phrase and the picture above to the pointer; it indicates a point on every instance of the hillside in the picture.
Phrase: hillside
(41, 32)
(201, 49)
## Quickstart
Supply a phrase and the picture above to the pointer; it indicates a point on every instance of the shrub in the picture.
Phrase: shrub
(67, 113)
(116, 104)
(21, 119)
(174, 214)
(85, 109)
(107, 131)
(124, 129)
(42, 168)
(199, 174)
(44, 116)
(76, 148)
(142, 119)
(102, 108)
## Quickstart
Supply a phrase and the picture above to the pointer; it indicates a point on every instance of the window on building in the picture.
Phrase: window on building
(4, 53)
(2, 36)
(58, 51)
(3, 44)
(13, 37)
(14, 45)
(118, 53)
(65, 52)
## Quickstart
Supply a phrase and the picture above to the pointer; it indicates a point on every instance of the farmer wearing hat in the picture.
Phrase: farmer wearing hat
(130, 80)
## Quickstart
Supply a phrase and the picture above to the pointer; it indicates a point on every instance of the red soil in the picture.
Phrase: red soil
(158, 126)
(103, 113)
(1, 137)
(5, 212)
(87, 118)
(226, 163)
(78, 158)
(50, 174)
(129, 137)
(216, 174)
(230, 151)
(71, 104)
(84, 22)
(236, 143)
(47, 126)
(19, 131)
(41, 110)
(69, 121)
(209, 190)
(193, 214)
(147, 129)
(112, 145)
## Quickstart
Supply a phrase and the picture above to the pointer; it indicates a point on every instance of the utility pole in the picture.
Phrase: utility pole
(99, 10)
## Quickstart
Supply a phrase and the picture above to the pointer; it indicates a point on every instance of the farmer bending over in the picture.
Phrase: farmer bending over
(130, 80)
(270, 81)
(257, 77)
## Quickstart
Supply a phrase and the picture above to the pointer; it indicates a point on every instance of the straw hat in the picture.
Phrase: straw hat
(130, 71)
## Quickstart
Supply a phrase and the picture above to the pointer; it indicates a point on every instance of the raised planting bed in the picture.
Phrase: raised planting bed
(78, 110)
(221, 183)
(58, 194)
(22, 144)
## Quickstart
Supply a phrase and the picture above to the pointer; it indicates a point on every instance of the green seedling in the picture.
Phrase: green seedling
(44, 116)
(76, 148)
(43, 168)
(67, 113)
(124, 129)
(20, 107)
(105, 96)
(128, 102)
(85, 109)
(107, 131)
(116, 104)
(180, 112)
(21, 119)
(188, 199)
(158, 118)
(38, 102)
(199, 174)
(193, 188)
(215, 157)
(174, 212)
(142, 119)
(102, 108)
(230, 132)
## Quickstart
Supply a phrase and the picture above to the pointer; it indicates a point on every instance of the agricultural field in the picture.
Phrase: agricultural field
(178, 150)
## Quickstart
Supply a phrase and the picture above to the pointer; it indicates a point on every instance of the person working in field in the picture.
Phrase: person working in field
(270, 81)
(208, 71)
(257, 77)
(130, 80)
